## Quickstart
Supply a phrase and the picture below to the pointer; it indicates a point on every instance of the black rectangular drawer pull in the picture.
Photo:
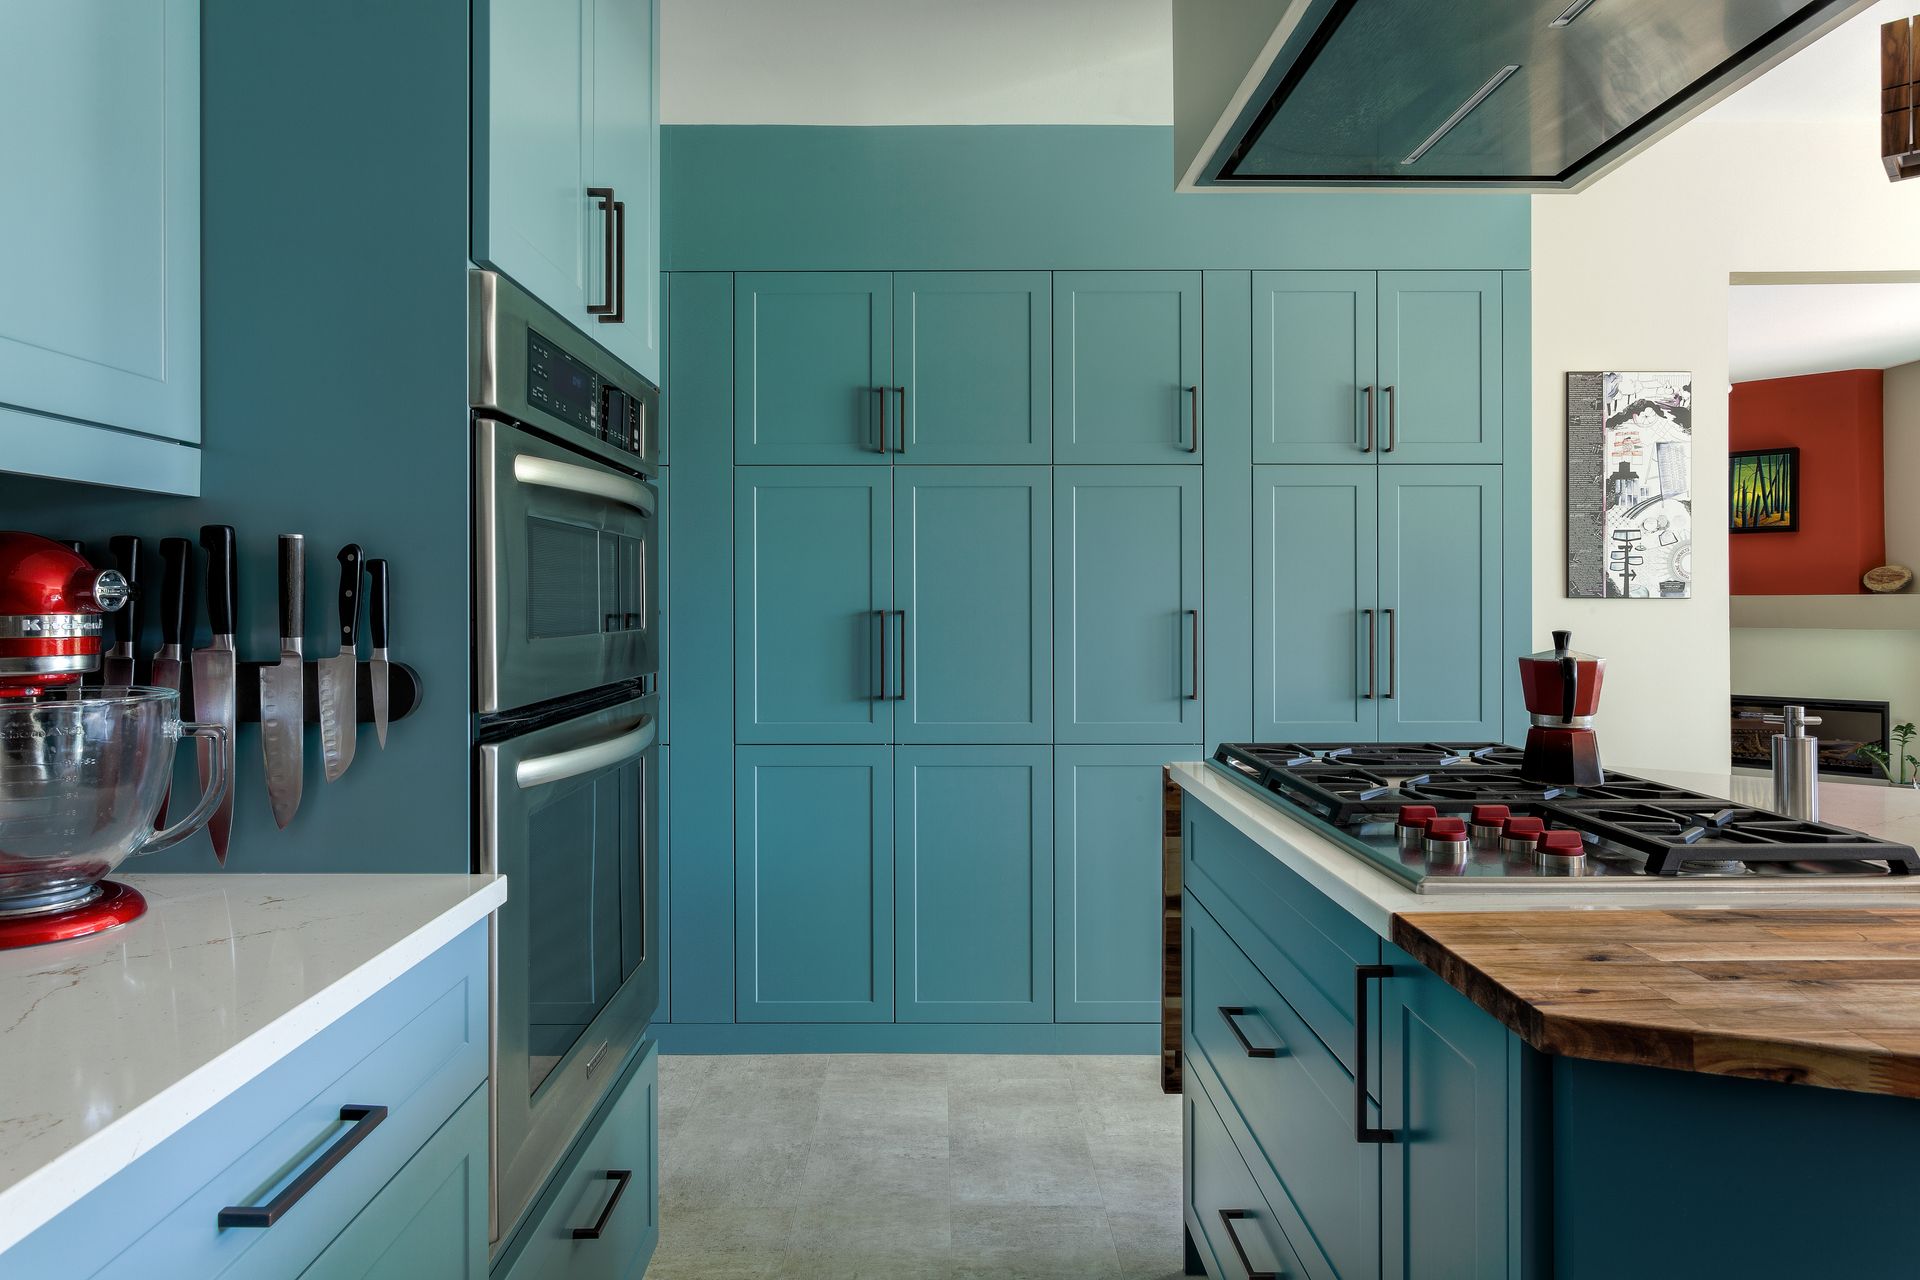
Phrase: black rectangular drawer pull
(364, 1121)
(620, 1178)
(1227, 1218)
(1362, 1131)
(1229, 1012)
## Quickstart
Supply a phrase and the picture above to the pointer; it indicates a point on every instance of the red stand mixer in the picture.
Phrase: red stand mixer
(1562, 691)
(82, 772)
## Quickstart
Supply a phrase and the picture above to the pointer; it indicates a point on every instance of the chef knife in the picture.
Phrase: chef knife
(176, 561)
(214, 674)
(283, 721)
(339, 714)
(377, 669)
(118, 670)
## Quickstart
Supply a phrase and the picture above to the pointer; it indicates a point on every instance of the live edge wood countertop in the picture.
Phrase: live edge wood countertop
(1820, 996)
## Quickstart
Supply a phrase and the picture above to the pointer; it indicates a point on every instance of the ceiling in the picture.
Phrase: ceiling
(1783, 331)
(1836, 78)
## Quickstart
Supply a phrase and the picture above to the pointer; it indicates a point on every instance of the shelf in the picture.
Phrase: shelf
(1900, 612)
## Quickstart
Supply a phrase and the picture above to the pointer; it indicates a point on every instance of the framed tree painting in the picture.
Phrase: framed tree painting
(1763, 491)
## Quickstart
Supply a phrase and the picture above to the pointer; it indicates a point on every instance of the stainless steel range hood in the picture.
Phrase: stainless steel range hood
(1529, 94)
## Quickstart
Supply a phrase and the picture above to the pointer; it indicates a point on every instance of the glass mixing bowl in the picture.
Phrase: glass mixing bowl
(80, 782)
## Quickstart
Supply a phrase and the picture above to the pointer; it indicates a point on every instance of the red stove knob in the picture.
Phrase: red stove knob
(1561, 844)
(1447, 830)
(1528, 829)
(1490, 815)
(1417, 815)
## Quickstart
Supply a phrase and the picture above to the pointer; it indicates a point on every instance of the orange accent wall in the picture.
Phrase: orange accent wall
(1835, 419)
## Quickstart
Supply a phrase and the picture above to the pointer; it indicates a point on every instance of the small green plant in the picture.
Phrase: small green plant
(1909, 765)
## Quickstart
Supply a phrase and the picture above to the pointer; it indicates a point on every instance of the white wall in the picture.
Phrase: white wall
(1633, 273)
(1901, 416)
(1879, 666)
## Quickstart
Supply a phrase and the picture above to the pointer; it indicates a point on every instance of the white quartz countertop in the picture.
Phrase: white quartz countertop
(1376, 897)
(111, 1044)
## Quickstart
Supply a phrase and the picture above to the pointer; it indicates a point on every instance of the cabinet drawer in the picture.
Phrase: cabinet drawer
(589, 1193)
(417, 1047)
(1291, 1095)
(1306, 946)
(1241, 1235)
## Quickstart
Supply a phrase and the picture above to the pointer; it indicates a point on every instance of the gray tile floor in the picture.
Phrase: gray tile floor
(870, 1166)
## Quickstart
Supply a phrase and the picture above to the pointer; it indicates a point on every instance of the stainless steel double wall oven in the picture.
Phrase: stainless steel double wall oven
(566, 646)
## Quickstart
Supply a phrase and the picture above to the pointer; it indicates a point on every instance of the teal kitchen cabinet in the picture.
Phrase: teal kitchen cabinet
(100, 242)
(430, 1222)
(973, 870)
(813, 367)
(813, 864)
(1316, 603)
(813, 562)
(1314, 392)
(1126, 366)
(972, 358)
(1390, 367)
(1441, 665)
(565, 162)
(1108, 881)
(1440, 366)
(972, 656)
(1127, 620)
(1227, 1215)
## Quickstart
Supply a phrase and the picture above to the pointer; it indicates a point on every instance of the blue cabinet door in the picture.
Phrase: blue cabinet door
(973, 364)
(1440, 366)
(1108, 883)
(813, 367)
(1316, 612)
(1314, 393)
(1127, 623)
(100, 221)
(973, 590)
(533, 100)
(1447, 1092)
(1126, 366)
(1441, 665)
(813, 555)
(813, 861)
(626, 158)
(973, 864)
(430, 1222)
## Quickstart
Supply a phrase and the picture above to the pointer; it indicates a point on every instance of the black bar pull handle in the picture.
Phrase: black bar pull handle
(1373, 656)
(882, 393)
(1193, 419)
(886, 687)
(901, 675)
(364, 1121)
(1193, 640)
(1392, 396)
(1364, 974)
(1393, 653)
(619, 1178)
(1227, 1218)
(618, 294)
(902, 446)
(604, 195)
(1366, 393)
(1230, 1012)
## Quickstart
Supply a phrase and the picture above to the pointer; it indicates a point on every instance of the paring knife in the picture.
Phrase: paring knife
(176, 568)
(214, 672)
(118, 669)
(283, 720)
(377, 666)
(339, 714)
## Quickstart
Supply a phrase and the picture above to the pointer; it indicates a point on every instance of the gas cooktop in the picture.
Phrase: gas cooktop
(1633, 831)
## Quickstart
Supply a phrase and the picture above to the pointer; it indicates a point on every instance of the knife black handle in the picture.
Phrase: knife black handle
(377, 602)
(223, 587)
(176, 564)
(126, 557)
(293, 585)
(352, 561)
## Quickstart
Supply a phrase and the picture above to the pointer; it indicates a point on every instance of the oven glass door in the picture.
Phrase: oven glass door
(571, 821)
(568, 570)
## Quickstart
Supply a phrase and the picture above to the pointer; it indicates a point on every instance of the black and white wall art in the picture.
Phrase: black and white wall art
(1630, 486)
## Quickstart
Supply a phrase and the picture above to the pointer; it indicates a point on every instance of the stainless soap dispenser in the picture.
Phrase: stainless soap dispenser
(1796, 765)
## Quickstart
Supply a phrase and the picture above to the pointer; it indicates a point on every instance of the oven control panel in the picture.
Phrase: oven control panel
(562, 385)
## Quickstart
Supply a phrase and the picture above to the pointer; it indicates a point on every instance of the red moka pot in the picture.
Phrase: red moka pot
(53, 606)
(1562, 692)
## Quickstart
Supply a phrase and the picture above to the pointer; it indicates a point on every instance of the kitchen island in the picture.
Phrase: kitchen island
(1655, 1080)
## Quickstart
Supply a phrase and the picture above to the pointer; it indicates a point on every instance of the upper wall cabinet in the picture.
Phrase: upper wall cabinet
(868, 367)
(1126, 364)
(100, 241)
(1399, 367)
(566, 162)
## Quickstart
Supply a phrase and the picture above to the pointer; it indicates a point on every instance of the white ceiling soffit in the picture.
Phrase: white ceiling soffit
(1784, 331)
(919, 62)
(1835, 78)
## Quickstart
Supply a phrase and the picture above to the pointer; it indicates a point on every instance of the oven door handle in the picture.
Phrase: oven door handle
(538, 771)
(548, 474)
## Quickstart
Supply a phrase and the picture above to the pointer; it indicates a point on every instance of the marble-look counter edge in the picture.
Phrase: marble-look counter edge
(40, 1193)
